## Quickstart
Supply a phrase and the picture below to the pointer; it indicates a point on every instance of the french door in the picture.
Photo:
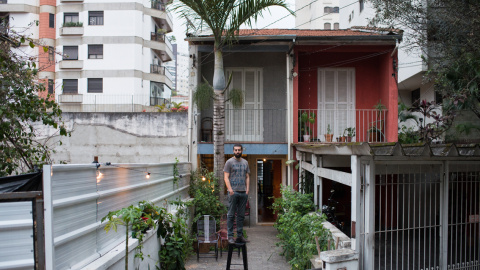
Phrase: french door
(245, 123)
(336, 100)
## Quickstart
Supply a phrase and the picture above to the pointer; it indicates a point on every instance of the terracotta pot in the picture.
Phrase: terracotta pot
(349, 138)
(343, 139)
(328, 137)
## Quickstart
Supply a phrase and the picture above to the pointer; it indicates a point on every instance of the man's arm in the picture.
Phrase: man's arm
(226, 176)
(247, 182)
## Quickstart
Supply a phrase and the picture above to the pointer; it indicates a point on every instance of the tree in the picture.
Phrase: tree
(21, 108)
(446, 32)
(223, 18)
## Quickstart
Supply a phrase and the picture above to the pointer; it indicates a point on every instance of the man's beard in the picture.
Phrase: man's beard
(238, 155)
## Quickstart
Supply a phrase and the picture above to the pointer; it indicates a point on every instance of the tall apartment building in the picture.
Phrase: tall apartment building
(410, 66)
(320, 14)
(102, 54)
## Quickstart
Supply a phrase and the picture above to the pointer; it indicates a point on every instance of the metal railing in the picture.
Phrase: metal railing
(111, 103)
(358, 125)
(157, 37)
(159, 5)
(251, 125)
(157, 69)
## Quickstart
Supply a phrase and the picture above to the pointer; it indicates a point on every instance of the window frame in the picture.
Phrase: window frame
(69, 59)
(67, 90)
(51, 20)
(93, 55)
(92, 81)
(51, 85)
(95, 15)
(51, 54)
(325, 26)
(72, 15)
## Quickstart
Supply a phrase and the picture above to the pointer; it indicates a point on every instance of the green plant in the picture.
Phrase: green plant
(329, 131)
(177, 241)
(408, 135)
(297, 227)
(72, 24)
(350, 131)
(305, 121)
(140, 219)
(175, 174)
(203, 185)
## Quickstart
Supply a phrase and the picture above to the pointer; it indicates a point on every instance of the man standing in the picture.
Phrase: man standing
(237, 180)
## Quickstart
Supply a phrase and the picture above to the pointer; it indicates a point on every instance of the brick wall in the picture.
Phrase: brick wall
(44, 30)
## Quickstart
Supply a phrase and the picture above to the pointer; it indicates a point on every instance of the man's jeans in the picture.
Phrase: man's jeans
(237, 203)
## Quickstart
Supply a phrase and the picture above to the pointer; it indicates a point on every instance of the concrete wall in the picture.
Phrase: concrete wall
(122, 138)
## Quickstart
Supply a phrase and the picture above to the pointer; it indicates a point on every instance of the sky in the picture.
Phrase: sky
(276, 13)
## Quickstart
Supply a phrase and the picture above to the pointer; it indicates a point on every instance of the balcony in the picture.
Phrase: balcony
(3, 1)
(161, 45)
(70, 98)
(355, 125)
(250, 125)
(71, 29)
(71, 64)
(160, 15)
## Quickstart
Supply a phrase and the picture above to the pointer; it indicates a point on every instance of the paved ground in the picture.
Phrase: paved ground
(261, 250)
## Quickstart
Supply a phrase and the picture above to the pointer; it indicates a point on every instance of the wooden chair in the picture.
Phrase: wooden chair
(207, 234)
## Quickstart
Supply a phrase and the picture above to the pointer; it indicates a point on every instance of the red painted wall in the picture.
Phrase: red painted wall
(373, 78)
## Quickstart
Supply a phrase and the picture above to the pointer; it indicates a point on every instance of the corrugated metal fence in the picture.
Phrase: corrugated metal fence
(77, 197)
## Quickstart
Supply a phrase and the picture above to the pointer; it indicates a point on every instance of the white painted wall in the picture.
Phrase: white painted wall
(310, 14)
(24, 23)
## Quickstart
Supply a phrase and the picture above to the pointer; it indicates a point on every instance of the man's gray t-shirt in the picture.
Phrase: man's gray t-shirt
(238, 170)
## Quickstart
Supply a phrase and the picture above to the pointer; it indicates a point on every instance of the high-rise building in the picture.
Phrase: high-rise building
(321, 14)
(101, 54)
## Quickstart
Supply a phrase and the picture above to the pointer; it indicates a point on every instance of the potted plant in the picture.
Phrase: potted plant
(305, 121)
(376, 129)
(350, 133)
(329, 135)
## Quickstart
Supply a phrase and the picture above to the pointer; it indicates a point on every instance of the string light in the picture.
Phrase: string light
(148, 175)
(203, 178)
(264, 159)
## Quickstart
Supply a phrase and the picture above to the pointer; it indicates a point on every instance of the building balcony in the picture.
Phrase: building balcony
(70, 98)
(249, 125)
(161, 46)
(349, 125)
(160, 15)
(67, 1)
(17, 7)
(71, 64)
(71, 31)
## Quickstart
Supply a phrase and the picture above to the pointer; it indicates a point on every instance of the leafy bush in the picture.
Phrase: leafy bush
(203, 185)
(72, 24)
(298, 226)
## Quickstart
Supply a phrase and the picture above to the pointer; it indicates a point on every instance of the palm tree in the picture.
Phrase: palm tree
(223, 18)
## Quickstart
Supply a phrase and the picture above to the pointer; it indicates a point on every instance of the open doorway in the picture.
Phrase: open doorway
(269, 178)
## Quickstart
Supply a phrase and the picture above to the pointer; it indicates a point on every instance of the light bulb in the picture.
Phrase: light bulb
(203, 178)
(148, 175)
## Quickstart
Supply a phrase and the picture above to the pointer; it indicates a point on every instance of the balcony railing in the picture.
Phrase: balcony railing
(157, 69)
(250, 125)
(356, 125)
(109, 103)
(157, 37)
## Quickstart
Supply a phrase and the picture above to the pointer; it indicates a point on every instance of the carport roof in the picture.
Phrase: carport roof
(392, 150)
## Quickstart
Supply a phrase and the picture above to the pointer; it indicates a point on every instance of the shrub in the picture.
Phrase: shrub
(298, 226)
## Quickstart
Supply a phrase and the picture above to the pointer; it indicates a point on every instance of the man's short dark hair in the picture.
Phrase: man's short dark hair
(237, 145)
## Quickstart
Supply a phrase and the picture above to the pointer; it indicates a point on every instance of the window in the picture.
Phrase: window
(362, 4)
(95, 51)
(336, 26)
(327, 26)
(70, 52)
(336, 10)
(415, 96)
(51, 20)
(95, 18)
(70, 17)
(70, 86)
(438, 97)
(326, 9)
(51, 85)
(51, 54)
(95, 85)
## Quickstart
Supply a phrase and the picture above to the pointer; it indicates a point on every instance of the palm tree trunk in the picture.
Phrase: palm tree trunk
(219, 121)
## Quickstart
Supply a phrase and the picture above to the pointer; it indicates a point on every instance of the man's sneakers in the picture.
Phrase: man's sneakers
(241, 239)
(231, 241)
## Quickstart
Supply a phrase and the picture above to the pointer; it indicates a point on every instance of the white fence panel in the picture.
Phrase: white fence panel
(77, 197)
(16, 234)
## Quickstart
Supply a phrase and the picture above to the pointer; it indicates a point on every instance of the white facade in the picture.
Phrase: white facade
(120, 48)
(183, 73)
(321, 14)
